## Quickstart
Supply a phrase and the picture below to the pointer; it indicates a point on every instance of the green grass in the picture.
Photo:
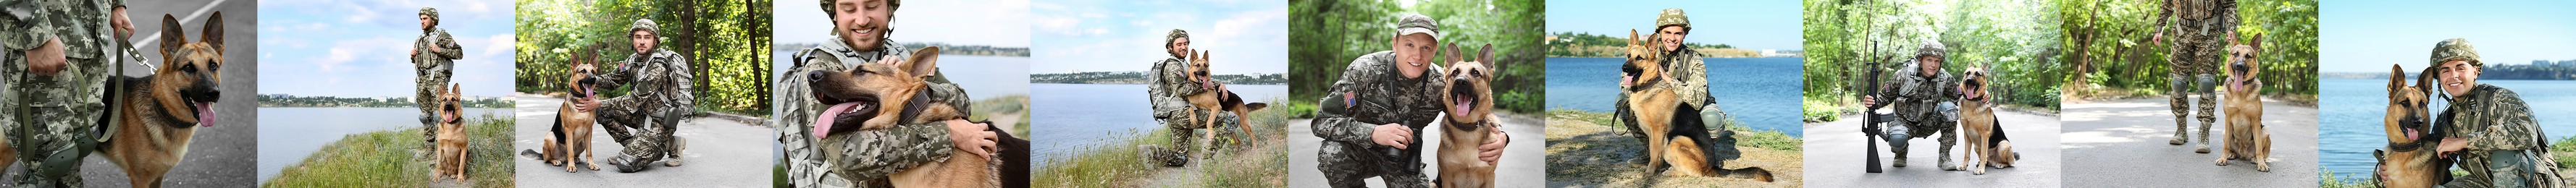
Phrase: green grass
(385, 158)
(1119, 163)
(2327, 179)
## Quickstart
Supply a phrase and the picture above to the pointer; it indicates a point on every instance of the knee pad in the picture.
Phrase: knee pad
(2208, 84)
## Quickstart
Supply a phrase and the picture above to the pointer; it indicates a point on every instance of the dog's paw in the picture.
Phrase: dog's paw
(2263, 167)
(2222, 161)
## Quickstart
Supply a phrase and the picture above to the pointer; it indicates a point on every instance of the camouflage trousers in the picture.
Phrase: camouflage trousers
(644, 127)
(1900, 131)
(51, 129)
(1185, 133)
(432, 80)
(2194, 56)
(1351, 164)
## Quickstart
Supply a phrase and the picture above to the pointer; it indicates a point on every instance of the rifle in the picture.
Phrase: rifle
(1870, 118)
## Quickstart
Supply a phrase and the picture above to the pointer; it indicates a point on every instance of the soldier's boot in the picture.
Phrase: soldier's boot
(673, 158)
(626, 163)
(1948, 141)
(2180, 102)
(2208, 104)
(1896, 137)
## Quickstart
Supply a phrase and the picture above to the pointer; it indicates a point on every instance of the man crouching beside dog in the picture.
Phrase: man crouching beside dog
(1171, 83)
(1922, 92)
(1370, 117)
(859, 34)
(2488, 131)
(643, 120)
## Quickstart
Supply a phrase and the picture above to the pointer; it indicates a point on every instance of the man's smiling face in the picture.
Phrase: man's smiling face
(1670, 37)
(2457, 76)
(862, 22)
(1413, 54)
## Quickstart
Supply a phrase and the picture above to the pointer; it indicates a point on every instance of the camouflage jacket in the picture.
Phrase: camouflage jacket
(860, 157)
(1170, 83)
(660, 75)
(445, 57)
(1688, 75)
(2492, 119)
(1917, 97)
(1372, 92)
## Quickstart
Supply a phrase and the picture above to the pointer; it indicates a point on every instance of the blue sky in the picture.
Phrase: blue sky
(358, 48)
(1001, 23)
(1244, 36)
(1744, 24)
(2367, 36)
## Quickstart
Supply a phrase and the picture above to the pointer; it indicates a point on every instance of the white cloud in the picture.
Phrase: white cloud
(501, 43)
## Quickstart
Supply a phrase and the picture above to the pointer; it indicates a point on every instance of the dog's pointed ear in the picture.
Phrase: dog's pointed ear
(1449, 53)
(924, 62)
(1632, 37)
(2257, 43)
(1486, 56)
(214, 31)
(2424, 81)
(172, 38)
(2396, 77)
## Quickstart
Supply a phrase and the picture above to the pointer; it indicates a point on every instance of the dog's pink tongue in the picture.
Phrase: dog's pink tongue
(823, 123)
(2410, 134)
(1461, 106)
(1625, 80)
(205, 114)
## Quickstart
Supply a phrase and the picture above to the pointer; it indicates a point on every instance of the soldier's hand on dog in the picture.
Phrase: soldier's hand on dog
(971, 137)
(584, 104)
(46, 59)
(1493, 149)
(1392, 134)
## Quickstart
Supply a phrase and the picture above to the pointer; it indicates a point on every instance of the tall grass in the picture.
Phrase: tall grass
(386, 159)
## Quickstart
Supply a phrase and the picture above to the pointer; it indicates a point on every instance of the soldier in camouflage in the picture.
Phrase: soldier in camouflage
(1172, 83)
(1924, 105)
(2202, 27)
(52, 74)
(2488, 130)
(644, 118)
(433, 56)
(865, 157)
(1686, 73)
(1369, 118)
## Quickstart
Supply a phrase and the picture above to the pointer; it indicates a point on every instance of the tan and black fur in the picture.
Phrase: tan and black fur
(1468, 102)
(1985, 136)
(874, 88)
(1216, 99)
(452, 138)
(1675, 135)
(2246, 137)
(2409, 160)
(156, 116)
(570, 145)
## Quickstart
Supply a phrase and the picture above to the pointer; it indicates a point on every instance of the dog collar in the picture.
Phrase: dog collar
(912, 109)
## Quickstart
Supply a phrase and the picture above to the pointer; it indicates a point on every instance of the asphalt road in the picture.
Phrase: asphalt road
(1522, 164)
(720, 153)
(2123, 144)
(1835, 158)
(225, 155)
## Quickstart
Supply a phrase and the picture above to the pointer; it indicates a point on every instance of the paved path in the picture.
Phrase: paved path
(2122, 143)
(1834, 157)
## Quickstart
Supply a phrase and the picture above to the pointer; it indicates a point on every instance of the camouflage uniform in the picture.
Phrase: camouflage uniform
(2200, 30)
(1685, 73)
(857, 158)
(644, 118)
(1172, 84)
(1373, 91)
(49, 117)
(433, 69)
(2506, 147)
(1924, 106)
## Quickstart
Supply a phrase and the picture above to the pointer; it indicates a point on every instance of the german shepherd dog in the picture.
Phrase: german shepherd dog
(2408, 162)
(156, 116)
(860, 98)
(1675, 136)
(1986, 138)
(1217, 99)
(570, 144)
(451, 135)
(1470, 123)
(2246, 138)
